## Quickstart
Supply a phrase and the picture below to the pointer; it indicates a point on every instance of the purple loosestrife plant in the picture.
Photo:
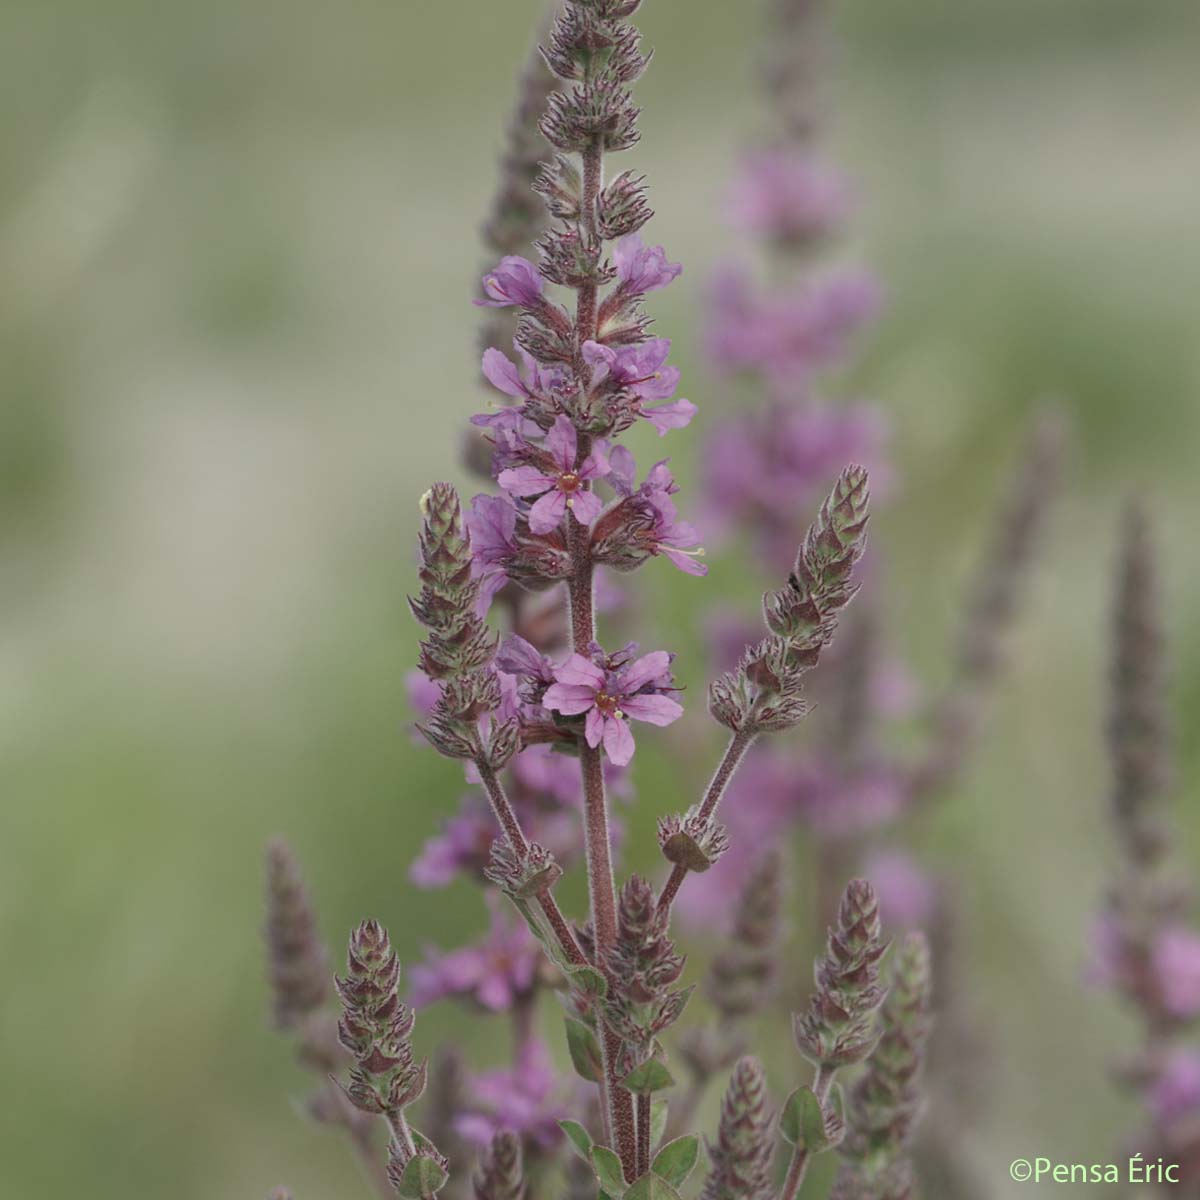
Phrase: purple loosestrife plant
(515, 709)
(1147, 948)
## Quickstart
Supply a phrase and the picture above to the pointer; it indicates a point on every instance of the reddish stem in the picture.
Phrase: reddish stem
(741, 741)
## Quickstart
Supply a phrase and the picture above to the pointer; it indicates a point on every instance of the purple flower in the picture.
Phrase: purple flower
(463, 844)
(674, 539)
(788, 335)
(761, 470)
(788, 197)
(641, 369)
(493, 973)
(531, 380)
(522, 1099)
(610, 694)
(1176, 1091)
(642, 269)
(657, 527)
(1177, 965)
(492, 525)
(559, 482)
(514, 281)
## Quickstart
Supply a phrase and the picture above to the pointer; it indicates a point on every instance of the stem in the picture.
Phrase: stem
(800, 1156)
(643, 1134)
(400, 1130)
(507, 818)
(730, 760)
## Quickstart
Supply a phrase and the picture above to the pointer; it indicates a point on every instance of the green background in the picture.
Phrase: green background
(237, 242)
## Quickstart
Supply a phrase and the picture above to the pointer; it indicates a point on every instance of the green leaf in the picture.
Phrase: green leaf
(651, 1187)
(607, 1167)
(674, 1162)
(585, 1050)
(580, 1138)
(650, 1076)
(658, 1121)
(802, 1122)
(589, 981)
(423, 1178)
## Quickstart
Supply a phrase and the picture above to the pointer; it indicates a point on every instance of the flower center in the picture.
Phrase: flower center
(608, 705)
(568, 482)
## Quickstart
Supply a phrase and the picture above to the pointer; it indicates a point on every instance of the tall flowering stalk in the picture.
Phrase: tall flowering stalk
(570, 498)
(1147, 948)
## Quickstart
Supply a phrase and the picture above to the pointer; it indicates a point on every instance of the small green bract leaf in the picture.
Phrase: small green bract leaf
(674, 1162)
(608, 1171)
(651, 1187)
(651, 1076)
(589, 981)
(585, 1050)
(802, 1121)
(580, 1138)
(658, 1121)
(422, 1178)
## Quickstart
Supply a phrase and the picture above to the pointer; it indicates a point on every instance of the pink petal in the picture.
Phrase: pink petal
(593, 728)
(646, 669)
(687, 563)
(546, 514)
(580, 671)
(562, 443)
(670, 416)
(494, 993)
(570, 699)
(595, 466)
(501, 372)
(586, 506)
(618, 741)
(656, 710)
(525, 481)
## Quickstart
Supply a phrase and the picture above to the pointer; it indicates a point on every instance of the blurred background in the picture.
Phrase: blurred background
(237, 245)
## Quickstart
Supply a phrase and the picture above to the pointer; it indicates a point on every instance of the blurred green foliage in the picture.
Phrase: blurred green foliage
(237, 242)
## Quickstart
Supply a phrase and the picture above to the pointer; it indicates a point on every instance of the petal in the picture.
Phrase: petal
(648, 668)
(501, 372)
(622, 469)
(548, 512)
(670, 416)
(598, 356)
(561, 442)
(580, 672)
(595, 466)
(525, 481)
(658, 384)
(655, 709)
(593, 728)
(618, 741)
(686, 562)
(569, 699)
(586, 506)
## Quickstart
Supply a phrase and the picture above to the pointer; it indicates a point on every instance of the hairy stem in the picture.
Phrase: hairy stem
(730, 760)
(507, 819)
(800, 1156)
(643, 1134)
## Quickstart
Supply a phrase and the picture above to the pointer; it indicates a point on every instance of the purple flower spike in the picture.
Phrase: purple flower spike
(514, 281)
(1177, 964)
(794, 199)
(609, 695)
(560, 485)
(643, 269)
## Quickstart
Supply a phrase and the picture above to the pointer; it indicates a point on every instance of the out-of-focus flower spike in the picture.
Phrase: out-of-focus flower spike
(741, 976)
(886, 1102)
(745, 1142)
(297, 960)
(501, 1173)
(993, 601)
(1138, 733)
